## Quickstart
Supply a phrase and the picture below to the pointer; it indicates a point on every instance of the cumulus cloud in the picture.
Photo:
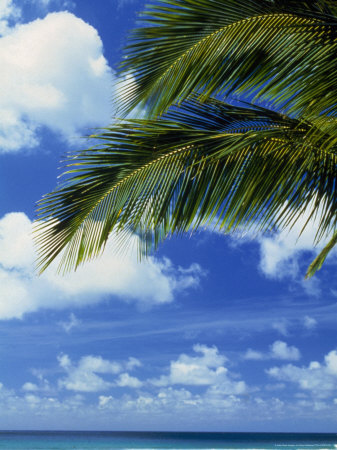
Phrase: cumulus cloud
(205, 373)
(126, 380)
(281, 350)
(53, 75)
(42, 385)
(154, 281)
(218, 397)
(30, 387)
(254, 355)
(281, 252)
(206, 369)
(277, 350)
(195, 370)
(94, 374)
(86, 376)
(318, 378)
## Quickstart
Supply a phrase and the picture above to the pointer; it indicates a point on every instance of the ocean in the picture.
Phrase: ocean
(64, 440)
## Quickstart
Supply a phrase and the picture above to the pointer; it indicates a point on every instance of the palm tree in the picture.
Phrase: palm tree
(238, 131)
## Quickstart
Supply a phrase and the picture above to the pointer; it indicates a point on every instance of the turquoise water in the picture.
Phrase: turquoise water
(47, 440)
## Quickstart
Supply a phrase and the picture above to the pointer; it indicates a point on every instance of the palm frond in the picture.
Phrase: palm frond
(321, 257)
(199, 164)
(285, 56)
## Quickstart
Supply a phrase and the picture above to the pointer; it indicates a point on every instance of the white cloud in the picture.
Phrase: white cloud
(205, 370)
(16, 245)
(104, 400)
(78, 411)
(8, 9)
(225, 398)
(87, 375)
(281, 326)
(280, 252)
(132, 363)
(53, 75)
(331, 362)
(42, 385)
(154, 281)
(8, 12)
(94, 374)
(30, 387)
(254, 355)
(278, 350)
(181, 403)
(319, 379)
(83, 377)
(195, 370)
(72, 323)
(32, 399)
(281, 350)
(309, 322)
(125, 380)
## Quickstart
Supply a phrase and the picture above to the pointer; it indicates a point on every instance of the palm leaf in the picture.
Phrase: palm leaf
(321, 257)
(283, 55)
(200, 164)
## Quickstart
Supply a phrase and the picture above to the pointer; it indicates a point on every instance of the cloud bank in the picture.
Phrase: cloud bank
(320, 379)
(97, 390)
(155, 281)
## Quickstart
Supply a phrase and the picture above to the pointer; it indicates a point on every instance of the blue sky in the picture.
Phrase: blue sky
(212, 333)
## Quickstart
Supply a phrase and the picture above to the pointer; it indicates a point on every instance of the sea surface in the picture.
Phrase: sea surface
(62, 440)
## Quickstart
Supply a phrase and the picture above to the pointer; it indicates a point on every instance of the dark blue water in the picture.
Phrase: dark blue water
(60, 440)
